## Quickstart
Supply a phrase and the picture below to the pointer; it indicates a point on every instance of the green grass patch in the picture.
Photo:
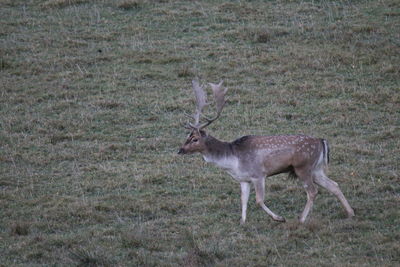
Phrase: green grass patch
(92, 102)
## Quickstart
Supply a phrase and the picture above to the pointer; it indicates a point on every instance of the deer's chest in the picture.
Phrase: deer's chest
(231, 165)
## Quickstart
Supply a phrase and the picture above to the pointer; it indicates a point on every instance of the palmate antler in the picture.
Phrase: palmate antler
(201, 102)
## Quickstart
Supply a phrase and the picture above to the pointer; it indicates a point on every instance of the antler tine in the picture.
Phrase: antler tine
(219, 96)
(188, 125)
(201, 102)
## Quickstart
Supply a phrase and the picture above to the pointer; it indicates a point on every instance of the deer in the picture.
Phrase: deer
(252, 158)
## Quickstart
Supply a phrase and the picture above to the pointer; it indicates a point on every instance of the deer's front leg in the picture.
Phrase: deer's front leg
(259, 185)
(244, 197)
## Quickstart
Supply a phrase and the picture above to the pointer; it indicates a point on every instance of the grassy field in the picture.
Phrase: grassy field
(92, 96)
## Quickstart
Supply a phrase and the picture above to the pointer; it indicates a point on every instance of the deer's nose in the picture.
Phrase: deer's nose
(181, 151)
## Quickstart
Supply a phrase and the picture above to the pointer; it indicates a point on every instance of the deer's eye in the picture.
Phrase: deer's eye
(195, 140)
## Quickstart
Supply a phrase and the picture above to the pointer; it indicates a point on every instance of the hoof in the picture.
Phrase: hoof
(301, 220)
(350, 214)
(279, 219)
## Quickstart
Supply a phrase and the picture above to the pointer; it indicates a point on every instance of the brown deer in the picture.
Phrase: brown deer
(250, 159)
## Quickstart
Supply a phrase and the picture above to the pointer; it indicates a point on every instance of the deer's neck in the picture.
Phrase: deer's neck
(216, 150)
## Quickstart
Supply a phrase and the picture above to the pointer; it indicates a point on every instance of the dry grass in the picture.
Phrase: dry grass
(62, 3)
(92, 98)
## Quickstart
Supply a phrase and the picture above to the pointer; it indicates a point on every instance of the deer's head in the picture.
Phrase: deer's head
(195, 142)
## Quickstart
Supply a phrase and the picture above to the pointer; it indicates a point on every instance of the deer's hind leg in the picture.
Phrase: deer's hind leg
(311, 190)
(322, 180)
(259, 185)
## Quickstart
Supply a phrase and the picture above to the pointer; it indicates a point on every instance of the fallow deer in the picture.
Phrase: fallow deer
(250, 159)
